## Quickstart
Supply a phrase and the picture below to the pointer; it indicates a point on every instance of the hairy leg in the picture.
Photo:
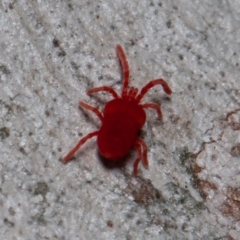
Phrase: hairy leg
(155, 107)
(145, 149)
(103, 89)
(141, 148)
(91, 108)
(125, 68)
(151, 84)
(79, 144)
(138, 159)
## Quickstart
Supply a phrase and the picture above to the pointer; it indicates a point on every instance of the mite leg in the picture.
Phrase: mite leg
(125, 68)
(132, 93)
(79, 144)
(155, 107)
(151, 84)
(91, 108)
(138, 159)
(141, 148)
(145, 149)
(103, 89)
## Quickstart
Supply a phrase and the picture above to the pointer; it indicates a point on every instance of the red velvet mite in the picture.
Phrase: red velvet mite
(122, 119)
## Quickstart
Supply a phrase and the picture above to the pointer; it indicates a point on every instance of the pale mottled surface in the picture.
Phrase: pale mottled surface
(51, 52)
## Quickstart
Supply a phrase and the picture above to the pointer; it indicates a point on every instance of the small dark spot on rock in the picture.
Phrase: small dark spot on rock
(89, 66)
(47, 113)
(11, 211)
(235, 151)
(4, 132)
(110, 223)
(166, 212)
(205, 187)
(169, 225)
(175, 7)
(222, 73)
(56, 42)
(41, 188)
(196, 168)
(185, 227)
(112, 27)
(70, 6)
(4, 70)
(22, 150)
(143, 192)
(169, 24)
(74, 65)
(184, 158)
(29, 173)
(169, 49)
(10, 5)
(62, 53)
(8, 223)
(39, 219)
(180, 56)
(132, 42)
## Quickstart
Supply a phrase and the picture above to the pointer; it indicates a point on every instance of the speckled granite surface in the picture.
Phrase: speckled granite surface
(52, 52)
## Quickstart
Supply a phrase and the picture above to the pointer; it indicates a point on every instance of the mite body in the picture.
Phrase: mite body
(122, 118)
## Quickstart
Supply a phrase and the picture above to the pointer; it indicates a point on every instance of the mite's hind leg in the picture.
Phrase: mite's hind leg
(79, 144)
(138, 147)
(156, 107)
(144, 153)
(91, 108)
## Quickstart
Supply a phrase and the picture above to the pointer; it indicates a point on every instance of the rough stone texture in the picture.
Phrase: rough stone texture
(52, 52)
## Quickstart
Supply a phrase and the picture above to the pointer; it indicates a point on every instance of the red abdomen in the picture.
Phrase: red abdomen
(122, 121)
